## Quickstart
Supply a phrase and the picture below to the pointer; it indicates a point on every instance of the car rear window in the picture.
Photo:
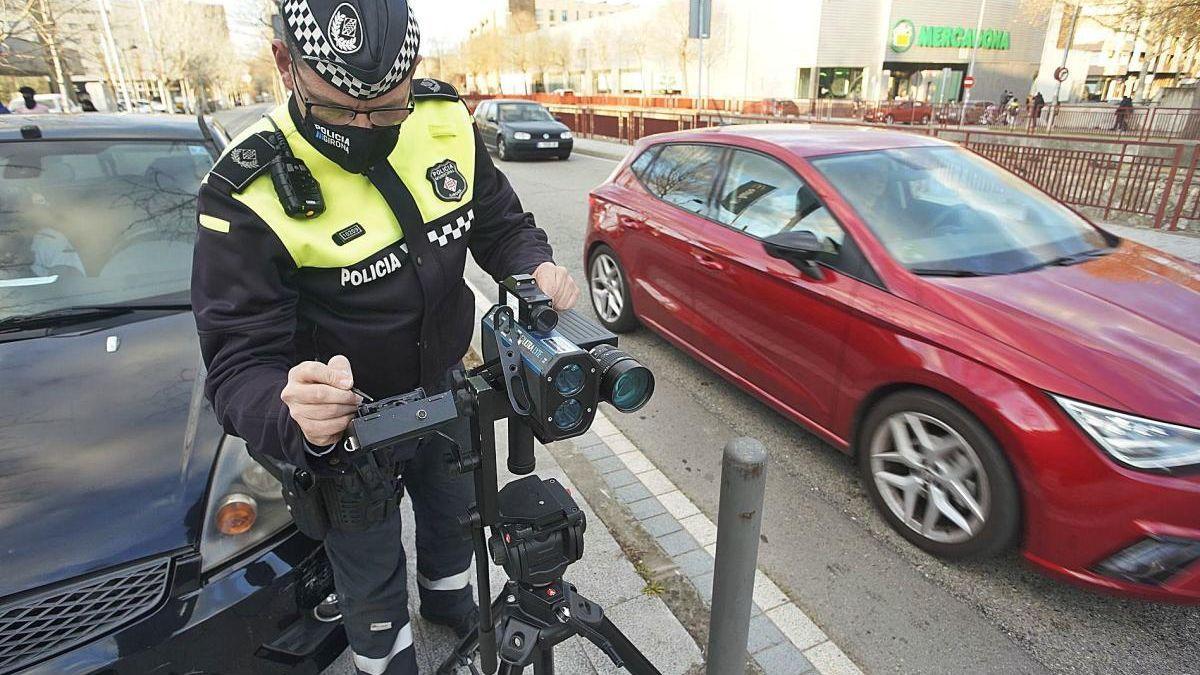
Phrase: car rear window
(96, 222)
(683, 175)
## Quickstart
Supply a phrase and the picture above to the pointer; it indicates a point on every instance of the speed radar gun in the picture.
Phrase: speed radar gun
(546, 373)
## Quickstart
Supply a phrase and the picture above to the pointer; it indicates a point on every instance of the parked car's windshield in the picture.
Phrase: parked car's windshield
(946, 210)
(96, 222)
(524, 113)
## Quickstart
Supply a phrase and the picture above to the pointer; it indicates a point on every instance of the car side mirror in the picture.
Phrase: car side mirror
(491, 119)
(799, 247)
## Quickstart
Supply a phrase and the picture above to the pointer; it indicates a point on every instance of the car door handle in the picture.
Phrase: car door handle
(709, 262)
(631, 222)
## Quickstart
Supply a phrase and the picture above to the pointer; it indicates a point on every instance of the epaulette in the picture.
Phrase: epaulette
(246, 161)
(427, 88)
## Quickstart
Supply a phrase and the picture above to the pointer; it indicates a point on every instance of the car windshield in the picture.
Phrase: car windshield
(944, 210)
(86, 223)
(524, 113)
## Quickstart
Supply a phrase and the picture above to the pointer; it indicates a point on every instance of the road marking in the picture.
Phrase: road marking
(801, 631)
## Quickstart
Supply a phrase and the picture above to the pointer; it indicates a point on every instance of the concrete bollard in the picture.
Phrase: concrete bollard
(739, 523)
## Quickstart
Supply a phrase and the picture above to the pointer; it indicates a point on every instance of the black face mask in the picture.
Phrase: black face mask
(355, 149)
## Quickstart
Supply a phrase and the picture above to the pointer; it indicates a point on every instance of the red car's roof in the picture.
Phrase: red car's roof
(807, 140)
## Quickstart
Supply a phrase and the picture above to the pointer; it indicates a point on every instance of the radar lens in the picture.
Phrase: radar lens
(570, 380)
(632, 389)
(569, 415)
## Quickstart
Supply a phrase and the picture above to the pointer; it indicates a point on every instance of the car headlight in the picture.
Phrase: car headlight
(245, 506)
(1136, 441)
(522, 136)
(565, 135)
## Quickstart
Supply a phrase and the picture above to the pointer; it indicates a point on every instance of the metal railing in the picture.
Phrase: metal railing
(1103, 120)
(1148, 183)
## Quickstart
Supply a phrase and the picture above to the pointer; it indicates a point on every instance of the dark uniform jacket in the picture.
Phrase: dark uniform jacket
(377, 278)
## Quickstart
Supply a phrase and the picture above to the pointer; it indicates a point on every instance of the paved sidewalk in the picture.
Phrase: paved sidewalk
(596, 147)
(1186, 246)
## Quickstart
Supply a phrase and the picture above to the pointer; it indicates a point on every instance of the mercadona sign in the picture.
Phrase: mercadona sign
(905, 35)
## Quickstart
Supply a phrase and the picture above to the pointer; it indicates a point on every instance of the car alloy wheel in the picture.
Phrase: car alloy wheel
(938, 476)
(930, 477)
(610, 294)
(889, 119)
(502, 149)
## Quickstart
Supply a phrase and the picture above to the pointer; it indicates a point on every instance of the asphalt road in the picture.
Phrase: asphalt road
(891, 607)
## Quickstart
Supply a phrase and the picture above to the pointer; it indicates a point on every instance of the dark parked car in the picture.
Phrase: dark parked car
(1006, 373)
(516, 129)
(135, 536)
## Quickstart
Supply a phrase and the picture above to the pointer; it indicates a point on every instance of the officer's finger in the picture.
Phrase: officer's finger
(342, 364)
(323, 412)
(311, 372)
(320, 394)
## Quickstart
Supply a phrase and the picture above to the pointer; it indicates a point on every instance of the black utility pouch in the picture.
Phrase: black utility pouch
(362, 497)
(304, 499)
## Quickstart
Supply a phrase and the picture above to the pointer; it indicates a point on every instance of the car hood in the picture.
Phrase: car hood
(104, 455)
(552, 128)
(1126, 325)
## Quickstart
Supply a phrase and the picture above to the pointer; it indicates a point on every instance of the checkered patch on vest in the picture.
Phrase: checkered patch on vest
(453, 230)
(448, 182)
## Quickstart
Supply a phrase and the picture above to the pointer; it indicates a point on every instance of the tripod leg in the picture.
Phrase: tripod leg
(464, 653)
(543, 663)
(634, 661)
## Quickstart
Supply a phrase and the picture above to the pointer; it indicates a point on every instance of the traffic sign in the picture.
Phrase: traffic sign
(968, 81)
(1061, 73)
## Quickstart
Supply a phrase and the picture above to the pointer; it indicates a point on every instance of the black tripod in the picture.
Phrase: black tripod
(537, 531)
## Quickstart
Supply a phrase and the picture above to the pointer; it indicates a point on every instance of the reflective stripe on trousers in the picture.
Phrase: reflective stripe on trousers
(379, 666)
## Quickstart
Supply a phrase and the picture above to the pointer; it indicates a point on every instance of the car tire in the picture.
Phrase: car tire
(502, 150)
(917, 489)
(925, 119)
(564, 157)
(889, 120)
(608, 289)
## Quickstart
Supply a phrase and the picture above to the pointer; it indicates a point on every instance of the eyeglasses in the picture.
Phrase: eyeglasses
(340, 116)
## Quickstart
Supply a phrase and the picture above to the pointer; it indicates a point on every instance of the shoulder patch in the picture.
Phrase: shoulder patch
(427, 88)
(243, 163)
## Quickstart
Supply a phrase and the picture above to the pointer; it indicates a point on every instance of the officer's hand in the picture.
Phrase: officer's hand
(556, 282)
(318, 397)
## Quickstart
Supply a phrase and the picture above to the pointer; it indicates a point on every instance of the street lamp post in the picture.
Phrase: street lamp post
(971, 64)
(1066, 53)
(111, 44)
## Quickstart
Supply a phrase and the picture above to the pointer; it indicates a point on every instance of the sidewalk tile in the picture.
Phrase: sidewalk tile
(828, 659)
(763, 634)
(676, 543)
(608, 464)
(796, 625)
(694, 563)
(619, 479)
(632, 493)
(783, 659)
(660, 525)
(619, 444)
(637, 462)
(703, 586)
(657, 482)
(646, 508)
(701, 528)
(766, 593)
(598, 451)
(656, 632)
(678, 504)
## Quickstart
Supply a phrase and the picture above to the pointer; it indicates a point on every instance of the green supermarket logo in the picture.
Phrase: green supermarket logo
(905, 35)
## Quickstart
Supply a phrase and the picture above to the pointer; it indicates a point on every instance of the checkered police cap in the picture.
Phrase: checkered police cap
(365, 48)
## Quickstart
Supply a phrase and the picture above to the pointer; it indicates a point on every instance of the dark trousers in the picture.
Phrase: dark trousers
(369, 567)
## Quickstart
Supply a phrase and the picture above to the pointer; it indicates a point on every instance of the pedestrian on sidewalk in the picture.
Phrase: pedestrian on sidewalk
(29, 103)
(1039, 104)
(302, 313)
(1124, 112)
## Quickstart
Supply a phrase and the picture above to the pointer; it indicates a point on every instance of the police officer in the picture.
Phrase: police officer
(296, 312)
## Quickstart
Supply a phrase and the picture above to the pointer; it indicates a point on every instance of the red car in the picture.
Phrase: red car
(1005, 372)
(907, 112)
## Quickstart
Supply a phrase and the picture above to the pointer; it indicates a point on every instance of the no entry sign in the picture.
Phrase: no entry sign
(968, 81)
